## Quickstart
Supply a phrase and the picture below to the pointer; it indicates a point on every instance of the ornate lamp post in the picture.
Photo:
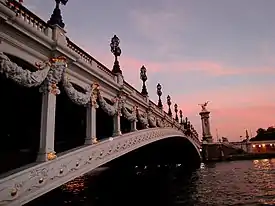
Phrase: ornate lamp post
(56, 17)
(143, 78)
(181, 116)
(176, 111)
(185, 123)
(115, 49)
(188, 125)
(159, 93)
(192, 128)
(169, 105)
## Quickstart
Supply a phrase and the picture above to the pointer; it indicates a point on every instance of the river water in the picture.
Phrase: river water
(226, 183)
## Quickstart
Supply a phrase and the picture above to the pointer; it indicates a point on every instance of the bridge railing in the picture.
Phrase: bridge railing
(87, 57)
(28, 17)
(22, 13)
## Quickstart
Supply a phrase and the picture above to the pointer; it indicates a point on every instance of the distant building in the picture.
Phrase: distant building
(264, 147)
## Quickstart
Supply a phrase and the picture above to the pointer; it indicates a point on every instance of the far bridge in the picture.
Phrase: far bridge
(65, 114)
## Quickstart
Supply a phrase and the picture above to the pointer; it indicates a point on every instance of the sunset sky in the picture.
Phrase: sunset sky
(216, 50)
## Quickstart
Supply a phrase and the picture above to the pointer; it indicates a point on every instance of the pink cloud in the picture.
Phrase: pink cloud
(233, 110)
(212, 68)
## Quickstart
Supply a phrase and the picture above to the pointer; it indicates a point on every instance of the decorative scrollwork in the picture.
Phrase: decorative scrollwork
(94, 94)
(22, 76)
(143, 118)
(51, 156)
(77, 97)
(119, 103)
(58, 67)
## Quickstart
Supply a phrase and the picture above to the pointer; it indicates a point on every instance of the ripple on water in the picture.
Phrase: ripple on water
(246, 183)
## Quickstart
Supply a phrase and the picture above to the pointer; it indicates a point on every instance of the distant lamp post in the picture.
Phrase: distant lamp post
(56, 17)
(159, 93)
(176, 112)
(115, 49)
(185, 123)
(181, 116)
(169, 105)
(241, 138)
(143, 77)
(188, 125)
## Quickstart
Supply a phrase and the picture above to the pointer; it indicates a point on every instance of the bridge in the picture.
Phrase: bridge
(65, 113)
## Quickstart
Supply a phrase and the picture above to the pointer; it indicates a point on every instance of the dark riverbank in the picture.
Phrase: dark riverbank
(236, 157)
(251, 156)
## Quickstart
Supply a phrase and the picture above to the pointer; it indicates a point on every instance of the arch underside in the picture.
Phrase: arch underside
(80, 161)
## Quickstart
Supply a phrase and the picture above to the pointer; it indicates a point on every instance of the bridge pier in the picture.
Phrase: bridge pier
(46, 148)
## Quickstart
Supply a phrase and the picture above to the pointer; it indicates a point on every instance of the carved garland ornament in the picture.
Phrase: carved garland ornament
(116, 108)
(160, 123)
(143, 118)
(55, 74)
(22, 76)
(151, 119)
(94, 94)
(132, 117)
(109, 109)
(75, 96)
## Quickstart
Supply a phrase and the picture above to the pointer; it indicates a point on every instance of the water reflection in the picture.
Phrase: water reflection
(75, 186)
(218, 184)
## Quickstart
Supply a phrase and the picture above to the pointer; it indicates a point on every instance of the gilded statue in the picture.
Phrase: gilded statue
(203, 106)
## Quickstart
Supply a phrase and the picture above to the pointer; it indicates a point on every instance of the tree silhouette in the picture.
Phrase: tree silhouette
(260, 131)
(264, 134)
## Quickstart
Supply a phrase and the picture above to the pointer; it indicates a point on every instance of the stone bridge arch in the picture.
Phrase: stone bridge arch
(49, 175)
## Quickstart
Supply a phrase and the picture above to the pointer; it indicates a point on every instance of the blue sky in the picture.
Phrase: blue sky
(216, 50)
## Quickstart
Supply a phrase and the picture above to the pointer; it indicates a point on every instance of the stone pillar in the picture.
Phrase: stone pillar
(58, 35)
(204, 150)
(47, 129)
(206, 132)
(134, 126)
(116, 122)
(91, 125)
(119, 79)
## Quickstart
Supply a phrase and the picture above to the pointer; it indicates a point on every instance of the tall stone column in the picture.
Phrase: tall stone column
(47, 129)
(206, 132)
(91, 125)
(134, 126)
(116, 126)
